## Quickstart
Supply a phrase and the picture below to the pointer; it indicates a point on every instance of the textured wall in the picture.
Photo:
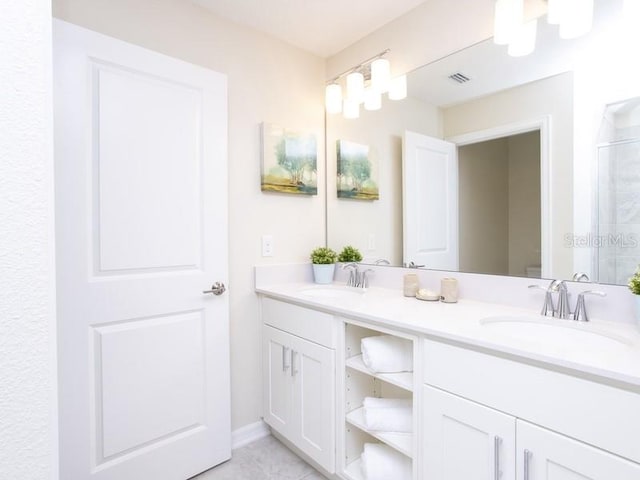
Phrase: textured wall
(27, 433)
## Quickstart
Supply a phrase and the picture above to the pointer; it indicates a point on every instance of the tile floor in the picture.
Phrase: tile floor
(264, 459)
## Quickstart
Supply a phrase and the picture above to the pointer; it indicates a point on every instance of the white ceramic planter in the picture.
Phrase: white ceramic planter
(637, 311)
(323, 273)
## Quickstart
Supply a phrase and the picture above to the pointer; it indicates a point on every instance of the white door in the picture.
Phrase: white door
(429, 202)
(141, 231)
(464, 440)
(544, 455)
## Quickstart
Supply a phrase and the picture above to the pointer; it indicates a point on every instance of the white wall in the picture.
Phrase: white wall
(549, 97)
(268, 81)
(28, 435)
(352, 222)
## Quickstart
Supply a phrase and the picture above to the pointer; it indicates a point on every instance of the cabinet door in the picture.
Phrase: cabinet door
(551, 456)
(464, 440)
(313, 370)
(277, 381)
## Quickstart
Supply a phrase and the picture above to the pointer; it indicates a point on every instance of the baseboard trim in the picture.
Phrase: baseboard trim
(249, 433)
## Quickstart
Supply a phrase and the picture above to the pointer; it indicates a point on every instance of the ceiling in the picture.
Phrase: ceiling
(323, 27)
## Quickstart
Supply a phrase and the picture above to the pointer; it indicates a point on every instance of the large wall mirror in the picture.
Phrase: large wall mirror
(524, 166)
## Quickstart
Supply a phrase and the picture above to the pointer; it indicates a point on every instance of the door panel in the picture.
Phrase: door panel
(278, 382)
(142, 189)
(151, 359)
(555, 457)
(314, 397)
(141, 231)
(430, 199)
(465, 440)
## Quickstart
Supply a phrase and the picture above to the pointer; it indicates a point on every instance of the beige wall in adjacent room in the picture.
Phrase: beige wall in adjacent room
(483, 176)
(268, 80)
(524, 202)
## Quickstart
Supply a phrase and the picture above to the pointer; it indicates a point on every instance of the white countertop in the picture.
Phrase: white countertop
(609, 351)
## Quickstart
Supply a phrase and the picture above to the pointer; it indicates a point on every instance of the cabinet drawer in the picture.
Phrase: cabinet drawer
(316, 326)
(597, 414)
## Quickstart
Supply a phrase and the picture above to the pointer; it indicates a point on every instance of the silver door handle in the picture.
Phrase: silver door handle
(293, 364)
(217, 288)
(527, 454)
(496, 457)
(285, 366)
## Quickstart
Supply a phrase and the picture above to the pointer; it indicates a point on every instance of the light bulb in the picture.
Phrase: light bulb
(508, 16)
(333, 98)
(380, 75)
(578, 19)
(355, 87)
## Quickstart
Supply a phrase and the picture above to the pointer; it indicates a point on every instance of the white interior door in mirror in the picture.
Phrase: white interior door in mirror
(141, 225)
(430, 202)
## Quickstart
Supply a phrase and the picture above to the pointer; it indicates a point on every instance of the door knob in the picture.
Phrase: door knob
(217, 288)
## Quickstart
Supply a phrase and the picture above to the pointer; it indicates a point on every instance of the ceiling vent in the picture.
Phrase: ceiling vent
(459, 77)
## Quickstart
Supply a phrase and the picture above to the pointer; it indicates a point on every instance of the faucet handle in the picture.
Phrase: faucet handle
(581, 310)
(548, 309)
(365, 277)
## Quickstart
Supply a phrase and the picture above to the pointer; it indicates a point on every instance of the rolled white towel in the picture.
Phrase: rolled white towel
(388, 414)
(387, 354)
(381, 462)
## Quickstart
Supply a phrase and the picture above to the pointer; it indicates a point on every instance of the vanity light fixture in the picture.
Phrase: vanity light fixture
(574, 17)
(365, 83)
(333, 98)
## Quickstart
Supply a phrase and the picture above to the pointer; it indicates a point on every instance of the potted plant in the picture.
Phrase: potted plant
(634, 286)
(350, 254)
(324, 264)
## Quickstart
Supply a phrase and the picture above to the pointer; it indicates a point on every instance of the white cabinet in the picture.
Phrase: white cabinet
(544, 455)
(299, 389)
(464, 440)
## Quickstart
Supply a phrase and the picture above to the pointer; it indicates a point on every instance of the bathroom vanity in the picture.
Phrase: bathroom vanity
(498, 392)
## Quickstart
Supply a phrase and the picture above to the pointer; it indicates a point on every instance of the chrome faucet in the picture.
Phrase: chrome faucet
(357, 278)
(382, 261)
(581, 310)
(580, 276)
(548, 308)
(563, 310)
(354, 274)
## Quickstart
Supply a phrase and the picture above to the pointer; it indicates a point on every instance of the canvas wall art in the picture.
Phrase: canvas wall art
(357, 172)
(289, 161)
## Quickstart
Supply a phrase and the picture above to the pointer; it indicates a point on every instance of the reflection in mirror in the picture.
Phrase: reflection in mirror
(523, 197)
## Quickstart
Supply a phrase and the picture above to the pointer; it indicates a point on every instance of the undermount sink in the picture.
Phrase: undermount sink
(560, 332)
(332, 291)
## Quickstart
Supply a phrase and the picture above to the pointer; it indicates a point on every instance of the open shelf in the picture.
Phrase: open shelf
(354, 470)
(400, 441)
(403, 380)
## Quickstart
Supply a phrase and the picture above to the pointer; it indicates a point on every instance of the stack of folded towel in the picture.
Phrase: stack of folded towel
(387, 354)
(380, 462)
(388, 414)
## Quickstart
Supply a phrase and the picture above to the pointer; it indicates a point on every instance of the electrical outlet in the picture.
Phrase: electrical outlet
(267, 245)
